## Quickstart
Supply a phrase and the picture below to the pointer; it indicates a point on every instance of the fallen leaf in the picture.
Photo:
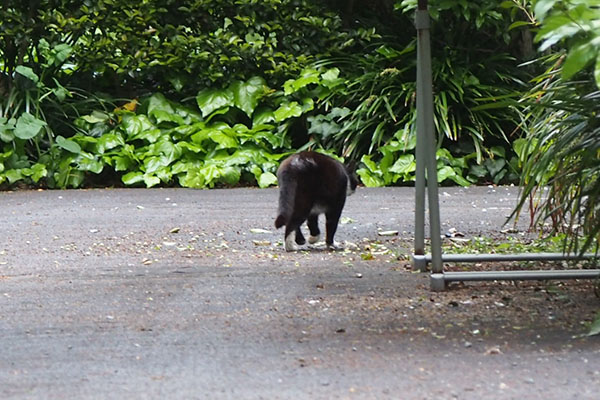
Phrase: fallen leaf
(258, 230)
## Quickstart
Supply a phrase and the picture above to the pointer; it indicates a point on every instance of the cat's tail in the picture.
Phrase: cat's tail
(287, 194)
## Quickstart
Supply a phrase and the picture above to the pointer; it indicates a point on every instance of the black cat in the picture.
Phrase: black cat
(311, 184)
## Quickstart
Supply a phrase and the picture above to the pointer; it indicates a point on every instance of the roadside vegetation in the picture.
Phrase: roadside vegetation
(215, 93)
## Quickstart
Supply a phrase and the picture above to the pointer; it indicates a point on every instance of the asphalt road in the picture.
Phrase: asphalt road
(184, 294)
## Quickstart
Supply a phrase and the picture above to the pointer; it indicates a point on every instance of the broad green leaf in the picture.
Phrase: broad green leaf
(28, 126)
(542, 7)
(7, 127)
(27, 73)
(60, 53)
(247, 94)
(444, 173)
(405, 164)
(287, 110)
(210, 100)
(307, 77)
(68, 145)
(267, 179)
(13, 175)
(368, 179)
(151, 180)
(153, 164)
(138, 127)
(95, 117)
(263, 116)
(331, 74)
(88, 162)
(132, 178)
(577, 58)
(38, 171)
(122, 163)
(109, 141)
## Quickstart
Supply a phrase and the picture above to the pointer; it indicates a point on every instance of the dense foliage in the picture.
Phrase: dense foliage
(170, 92)
(562, 118)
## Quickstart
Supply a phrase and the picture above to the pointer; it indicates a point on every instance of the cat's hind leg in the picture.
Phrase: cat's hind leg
(331, 224)
(313, 227)
(293, 234)
(300, 237)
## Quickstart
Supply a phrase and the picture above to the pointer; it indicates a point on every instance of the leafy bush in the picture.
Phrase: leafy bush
(232, 135)
(562, 120)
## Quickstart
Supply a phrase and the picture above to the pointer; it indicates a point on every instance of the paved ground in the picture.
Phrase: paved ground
(185, 294)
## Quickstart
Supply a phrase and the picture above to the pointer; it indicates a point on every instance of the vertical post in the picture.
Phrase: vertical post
(419, 250)
(426, 135)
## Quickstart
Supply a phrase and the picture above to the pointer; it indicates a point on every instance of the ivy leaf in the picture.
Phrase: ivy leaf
(267, 179)
(132, 178)
(28, 126)
(210, 100)
(38, 171)
(88, 162)
(150, 180)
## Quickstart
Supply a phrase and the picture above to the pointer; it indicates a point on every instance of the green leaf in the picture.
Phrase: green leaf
(68, 145)
(287, 110)
(518, 24)
(596, 72)
(38, 171)
(444, 173)
(247, 94)
(133, 177)
(28, 126)
(542, 7)
(595, 327)
(139, 127)
(405, 164)
(13, 175)
(578, 57)
(210, 100)
(307, 77)
(368, 179)
(88, 162)
(7, 127)
(267, 179)
(150, 180)
(27, 73)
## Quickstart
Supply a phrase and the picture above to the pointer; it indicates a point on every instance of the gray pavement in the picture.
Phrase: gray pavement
(186, 294)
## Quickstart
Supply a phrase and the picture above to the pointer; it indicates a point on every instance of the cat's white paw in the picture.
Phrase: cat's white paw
(289, 243)
(313, 239)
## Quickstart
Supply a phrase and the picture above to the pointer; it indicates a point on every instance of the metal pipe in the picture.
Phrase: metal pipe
(425, 109)
(438, 281)
(521, 275)
(511, 257)
(420, 154)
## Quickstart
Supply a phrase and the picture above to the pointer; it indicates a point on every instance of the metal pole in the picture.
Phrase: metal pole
(420, 150)
(438, 281)
(428, 147)
(475, 258)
